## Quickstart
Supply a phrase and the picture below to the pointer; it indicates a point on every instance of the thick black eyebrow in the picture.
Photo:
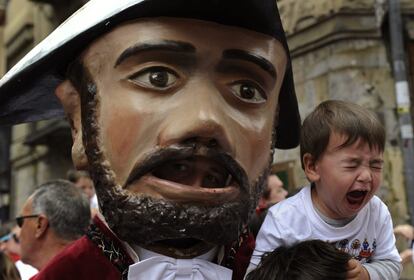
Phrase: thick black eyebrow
(164, 45)
(251, 57)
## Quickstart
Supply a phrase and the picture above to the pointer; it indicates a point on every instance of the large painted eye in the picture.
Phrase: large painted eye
(155, 77)
(249, 92)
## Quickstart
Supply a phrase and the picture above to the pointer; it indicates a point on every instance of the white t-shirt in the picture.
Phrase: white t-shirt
(368, 237)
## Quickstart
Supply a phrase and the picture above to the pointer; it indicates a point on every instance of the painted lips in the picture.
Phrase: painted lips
(189, 173)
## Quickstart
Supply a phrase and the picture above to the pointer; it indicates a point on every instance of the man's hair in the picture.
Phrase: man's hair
(344, 118)
(266, 192)
(65, 206)
(308, 260)
(74, 175)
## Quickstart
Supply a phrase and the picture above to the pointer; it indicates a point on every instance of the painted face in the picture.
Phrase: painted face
(345, 178)
(185, 112)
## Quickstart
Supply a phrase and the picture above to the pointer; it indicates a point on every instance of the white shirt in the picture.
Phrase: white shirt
(153, 266)
(368, 237)
(94, 202)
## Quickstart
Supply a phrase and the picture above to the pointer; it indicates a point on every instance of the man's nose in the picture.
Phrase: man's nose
(200, 118)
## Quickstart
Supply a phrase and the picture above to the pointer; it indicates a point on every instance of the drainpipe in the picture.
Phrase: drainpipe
(403, 100)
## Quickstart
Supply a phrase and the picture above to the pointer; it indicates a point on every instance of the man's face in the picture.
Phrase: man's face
(277, 192)
(27, 233)
(346, 178)
(185, 118)
(86, 185)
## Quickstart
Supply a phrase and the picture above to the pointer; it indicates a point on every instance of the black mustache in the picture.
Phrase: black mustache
(185, 151)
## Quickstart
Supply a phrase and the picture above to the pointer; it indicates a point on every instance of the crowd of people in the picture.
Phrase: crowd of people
(56, 214)
(175, 109)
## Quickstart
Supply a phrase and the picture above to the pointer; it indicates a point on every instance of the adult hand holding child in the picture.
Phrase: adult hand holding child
(356, 271)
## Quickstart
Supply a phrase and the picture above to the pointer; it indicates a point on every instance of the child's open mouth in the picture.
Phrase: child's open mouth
(356, 198)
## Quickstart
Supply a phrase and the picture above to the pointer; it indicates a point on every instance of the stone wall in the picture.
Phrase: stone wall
(299, 15)
(33, 159)
(339, 52)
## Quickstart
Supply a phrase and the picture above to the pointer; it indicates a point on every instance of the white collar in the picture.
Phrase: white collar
(154, 266)
(144, 254)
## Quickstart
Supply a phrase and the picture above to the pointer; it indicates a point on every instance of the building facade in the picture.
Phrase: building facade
(30, 154)
(341, 50)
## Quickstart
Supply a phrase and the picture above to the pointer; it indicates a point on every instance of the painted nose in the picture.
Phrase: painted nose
(199, 128)
(201, 118)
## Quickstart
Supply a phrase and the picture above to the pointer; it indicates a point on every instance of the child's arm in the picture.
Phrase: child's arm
(380, 270)
(386, 262)
(384, 270)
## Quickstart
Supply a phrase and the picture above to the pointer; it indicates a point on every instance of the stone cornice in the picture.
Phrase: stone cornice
(337, 27)
(313, 24)
(297, 14)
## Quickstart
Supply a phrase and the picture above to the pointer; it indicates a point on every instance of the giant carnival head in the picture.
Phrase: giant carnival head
(175, 108)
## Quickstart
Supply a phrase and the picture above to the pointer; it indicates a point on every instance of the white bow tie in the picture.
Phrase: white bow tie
(166, 268)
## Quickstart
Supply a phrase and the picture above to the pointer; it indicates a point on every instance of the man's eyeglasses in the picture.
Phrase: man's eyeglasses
(20, 220)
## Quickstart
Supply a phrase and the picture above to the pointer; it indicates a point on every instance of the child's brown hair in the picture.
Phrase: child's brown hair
(345, 118)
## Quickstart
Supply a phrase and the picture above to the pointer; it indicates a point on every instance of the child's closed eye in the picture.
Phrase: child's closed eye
(377, 165)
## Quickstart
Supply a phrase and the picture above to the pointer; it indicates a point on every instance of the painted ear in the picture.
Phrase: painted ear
(41, 226)
(310, 167)
(70, 99)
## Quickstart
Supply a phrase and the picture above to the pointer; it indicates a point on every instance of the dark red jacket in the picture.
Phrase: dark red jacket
(84, 259)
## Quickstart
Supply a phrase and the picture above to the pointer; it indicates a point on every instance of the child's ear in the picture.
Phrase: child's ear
(310, 167)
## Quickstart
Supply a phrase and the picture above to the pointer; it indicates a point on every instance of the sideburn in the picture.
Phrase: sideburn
(101, 175)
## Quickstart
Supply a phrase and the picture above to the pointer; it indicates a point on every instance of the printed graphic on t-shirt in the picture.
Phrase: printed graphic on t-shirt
(361, 251)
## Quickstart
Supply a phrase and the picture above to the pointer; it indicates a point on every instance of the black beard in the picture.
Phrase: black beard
(139, 219)
(143, 220)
